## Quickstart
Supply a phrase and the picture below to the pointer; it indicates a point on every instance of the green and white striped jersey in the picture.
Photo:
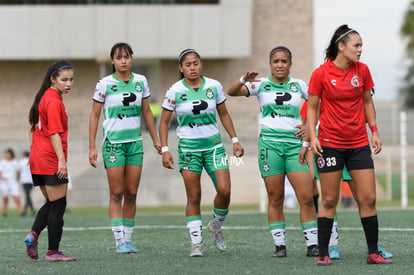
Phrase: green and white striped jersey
(279, 107)
(122, 106)
(196, 113)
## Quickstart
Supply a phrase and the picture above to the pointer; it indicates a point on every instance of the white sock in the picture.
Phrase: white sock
(118, 234)
(311, 236)
(195, 228)
(333, 241)
(218, 221)
(279, 236)
(128, 233)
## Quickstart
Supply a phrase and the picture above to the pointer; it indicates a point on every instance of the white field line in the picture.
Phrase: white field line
(97, 228)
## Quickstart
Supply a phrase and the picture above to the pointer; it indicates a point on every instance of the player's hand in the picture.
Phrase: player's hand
(238, 150)
(167, 160)
(302, 155)
(301, 132)
(376, 143)
(251, 77)
(62, 169)
(93, 156)
(157, 146)
(316, 147)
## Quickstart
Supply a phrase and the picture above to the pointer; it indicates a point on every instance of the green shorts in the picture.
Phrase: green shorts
(345, 174)
(279, 158)
(121, 154)
(211, 160)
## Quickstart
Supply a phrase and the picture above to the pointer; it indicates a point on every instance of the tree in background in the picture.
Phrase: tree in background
(407, 31)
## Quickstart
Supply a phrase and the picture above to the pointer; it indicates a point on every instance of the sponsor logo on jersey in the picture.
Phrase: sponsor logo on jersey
(321, 162)
(112, 157)
(266, 167)
(355, 81)
(333, 82)
(293, 87)
(138, 87)
(183, 97)
(209, 93)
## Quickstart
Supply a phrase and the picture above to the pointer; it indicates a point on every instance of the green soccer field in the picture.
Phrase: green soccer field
(164, 246)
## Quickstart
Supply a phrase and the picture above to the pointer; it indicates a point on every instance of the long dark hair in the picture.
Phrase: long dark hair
(183, 54)
(340, 35)
(121, 47)
(52, 71)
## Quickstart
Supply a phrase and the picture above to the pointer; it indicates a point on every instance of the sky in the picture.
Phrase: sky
(378, 22)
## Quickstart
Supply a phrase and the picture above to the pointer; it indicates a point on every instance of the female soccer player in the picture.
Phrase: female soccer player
(123, 96)
(279, 98)
(341, 87)
(9, 168)
(48, 158)
(196, 99)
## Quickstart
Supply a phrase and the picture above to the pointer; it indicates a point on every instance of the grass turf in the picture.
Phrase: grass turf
(164, 246)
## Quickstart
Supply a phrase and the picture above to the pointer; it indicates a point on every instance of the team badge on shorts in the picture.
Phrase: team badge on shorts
(112, 157)
(185, 166)
(321, 162)
(266, 167)
(209, 93)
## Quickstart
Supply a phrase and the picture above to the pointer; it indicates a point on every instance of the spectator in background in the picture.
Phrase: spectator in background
(25, 178)
(8, 178)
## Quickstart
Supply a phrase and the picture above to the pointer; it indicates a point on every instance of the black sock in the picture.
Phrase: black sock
(324, 234)
(40, 221)
(315, 202)
(370, 225)
(55, 222)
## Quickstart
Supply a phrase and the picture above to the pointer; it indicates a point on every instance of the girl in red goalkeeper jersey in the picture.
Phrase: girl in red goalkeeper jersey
(341, 88)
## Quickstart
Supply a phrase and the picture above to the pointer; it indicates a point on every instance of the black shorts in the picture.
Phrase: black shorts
(334, 159)
(40, 180)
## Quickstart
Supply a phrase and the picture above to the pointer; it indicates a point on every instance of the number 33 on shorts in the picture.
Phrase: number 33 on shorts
(326, 162)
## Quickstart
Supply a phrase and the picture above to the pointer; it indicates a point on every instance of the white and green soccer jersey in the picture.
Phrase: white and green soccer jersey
(196, 114)
(279, 107)
(122, 106)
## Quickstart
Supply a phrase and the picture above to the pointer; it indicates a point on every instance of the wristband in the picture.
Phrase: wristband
(242, 81)
(164, 149)
(305, 144)
(234, 140)
(374, 128)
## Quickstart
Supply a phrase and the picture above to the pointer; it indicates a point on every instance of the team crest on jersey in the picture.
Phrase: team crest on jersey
(209, 93)
(252, 85)
(266, 167)
(138, 87)
(355, 81)
(321, 162)
(293, 87)
(112, 157)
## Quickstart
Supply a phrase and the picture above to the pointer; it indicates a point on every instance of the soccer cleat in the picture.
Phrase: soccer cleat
(280, 251)
(196, 250)
(323, 261)
(58, 256)
(218, 236)
(123, 248)
(132, 248)
(384, 253)
(334, 252)
(31, 245)
(376, 258)
(312, 251)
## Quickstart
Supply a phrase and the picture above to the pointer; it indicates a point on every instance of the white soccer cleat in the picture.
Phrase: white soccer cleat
(196, 250)
(218, 236)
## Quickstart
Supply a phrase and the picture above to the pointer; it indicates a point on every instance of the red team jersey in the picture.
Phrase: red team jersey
(52, 120)
(342, 117)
